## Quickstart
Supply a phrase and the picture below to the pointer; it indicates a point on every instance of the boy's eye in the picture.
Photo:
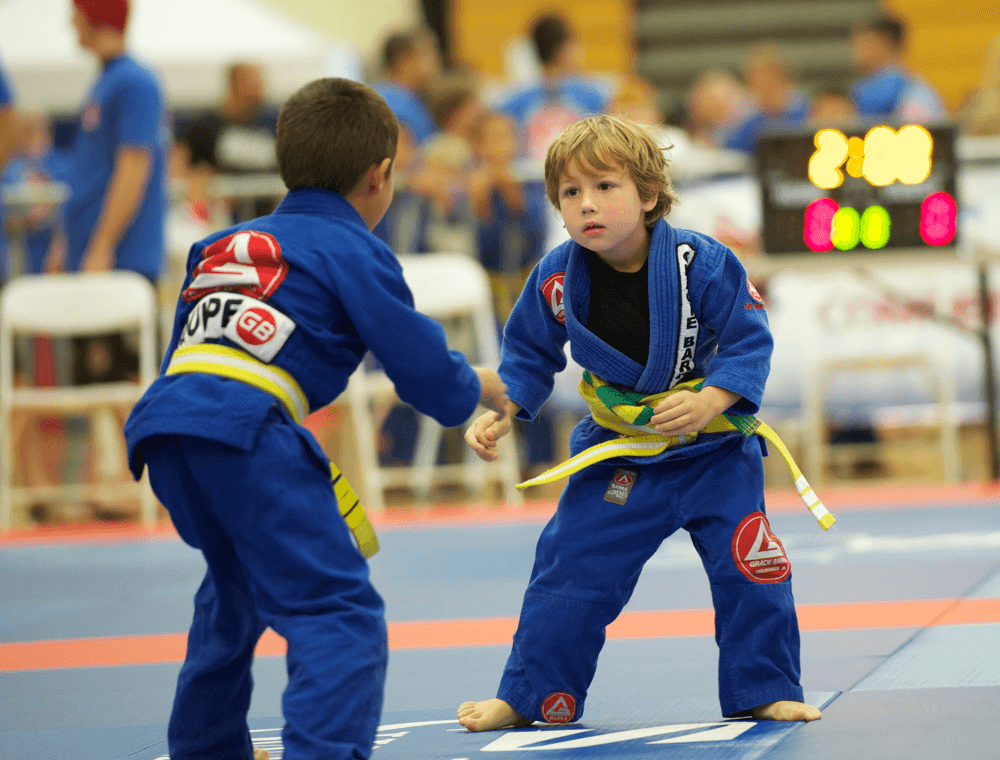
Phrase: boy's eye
(569, 192)
(605, 186)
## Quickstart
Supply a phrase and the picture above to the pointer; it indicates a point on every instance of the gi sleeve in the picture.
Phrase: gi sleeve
(534, 343)
(411, 346)
(729, 308)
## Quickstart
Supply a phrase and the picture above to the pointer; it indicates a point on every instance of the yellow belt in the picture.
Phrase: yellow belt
(239, 365)
(628, 414)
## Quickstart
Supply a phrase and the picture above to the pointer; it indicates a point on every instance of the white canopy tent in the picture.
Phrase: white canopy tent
(188, 42)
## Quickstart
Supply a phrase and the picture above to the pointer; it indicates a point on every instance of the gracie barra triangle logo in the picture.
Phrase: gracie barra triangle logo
(757, 551)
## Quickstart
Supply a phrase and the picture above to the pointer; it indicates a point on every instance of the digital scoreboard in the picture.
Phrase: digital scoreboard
(858, 190)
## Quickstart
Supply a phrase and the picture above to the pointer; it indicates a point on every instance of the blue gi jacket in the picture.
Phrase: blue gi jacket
(706, 320)
(333, 290)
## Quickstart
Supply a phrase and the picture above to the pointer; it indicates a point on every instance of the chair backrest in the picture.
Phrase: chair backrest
(446, 284)
(77, 303)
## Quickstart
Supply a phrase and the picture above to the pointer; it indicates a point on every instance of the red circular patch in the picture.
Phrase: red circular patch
(623, 479)
(559, 708)
(753, 292)
(758, 553)
(256, 326)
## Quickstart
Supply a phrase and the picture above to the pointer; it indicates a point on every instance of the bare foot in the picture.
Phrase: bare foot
(786, 710)
(261, 754)
(490, 715)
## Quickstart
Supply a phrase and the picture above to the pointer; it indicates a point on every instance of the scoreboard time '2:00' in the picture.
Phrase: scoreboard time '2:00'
(858, 190)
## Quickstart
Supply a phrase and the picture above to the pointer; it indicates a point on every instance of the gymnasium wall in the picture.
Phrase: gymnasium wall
(482, 30)
(948, 42)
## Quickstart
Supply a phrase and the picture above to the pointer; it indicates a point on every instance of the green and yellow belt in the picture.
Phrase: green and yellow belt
(239, 365)
(628, 413)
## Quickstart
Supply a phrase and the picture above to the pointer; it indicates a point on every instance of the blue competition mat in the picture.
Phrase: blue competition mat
(668, 730)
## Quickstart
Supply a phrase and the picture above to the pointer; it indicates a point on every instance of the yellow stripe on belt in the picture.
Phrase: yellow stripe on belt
(628, 414)
(238, 365)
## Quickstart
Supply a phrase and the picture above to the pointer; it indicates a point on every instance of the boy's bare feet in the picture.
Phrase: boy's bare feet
(490, 715)
(786, 710)
(261, 754)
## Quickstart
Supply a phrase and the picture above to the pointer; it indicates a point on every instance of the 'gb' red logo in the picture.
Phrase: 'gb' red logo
(256, 326)
(248, 262)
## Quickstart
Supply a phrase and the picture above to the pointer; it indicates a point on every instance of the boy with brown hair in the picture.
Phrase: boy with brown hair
(274, 316)
(671, 334)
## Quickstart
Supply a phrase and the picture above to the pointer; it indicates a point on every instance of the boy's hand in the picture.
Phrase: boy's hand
(493, 391)
(484, 433)
(688, 412)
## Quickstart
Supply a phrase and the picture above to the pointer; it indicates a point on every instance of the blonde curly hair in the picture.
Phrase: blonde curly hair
(597, 143)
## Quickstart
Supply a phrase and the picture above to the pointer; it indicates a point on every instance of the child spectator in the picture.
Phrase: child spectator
(778, 102)
(563, 96)
(889, 89)
(411, 61)
(220, 431)
(511, 213)
(658, 316)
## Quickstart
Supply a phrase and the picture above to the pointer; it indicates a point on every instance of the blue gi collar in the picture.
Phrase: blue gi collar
(316, 202)
(664, 316)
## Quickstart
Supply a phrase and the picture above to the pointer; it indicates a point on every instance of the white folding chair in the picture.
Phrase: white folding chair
(68, 305)
(455, 290)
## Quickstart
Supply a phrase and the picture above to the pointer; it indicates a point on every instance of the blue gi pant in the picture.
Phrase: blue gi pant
(279, 555)
(588, 560)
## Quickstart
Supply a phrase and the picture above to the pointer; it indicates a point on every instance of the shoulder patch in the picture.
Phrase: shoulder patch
(249, 263)
(552, 289)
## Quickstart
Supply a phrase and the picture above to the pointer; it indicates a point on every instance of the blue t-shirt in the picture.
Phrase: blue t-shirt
(6, 101)
(545, 110)
(744, 134)
(125, 107)
(409, 109)
(894, 93)
(53, 166)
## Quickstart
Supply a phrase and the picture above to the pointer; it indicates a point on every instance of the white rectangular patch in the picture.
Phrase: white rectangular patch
(257, 328)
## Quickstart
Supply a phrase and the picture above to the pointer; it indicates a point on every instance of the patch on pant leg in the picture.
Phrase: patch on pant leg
(759, 553)
(620, 486)
(559, 708)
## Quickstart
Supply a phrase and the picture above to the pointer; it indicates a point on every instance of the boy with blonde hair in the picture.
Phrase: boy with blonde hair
(649, 311)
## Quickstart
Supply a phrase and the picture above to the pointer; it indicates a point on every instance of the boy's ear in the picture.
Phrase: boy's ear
(378, 174)
(650, 204)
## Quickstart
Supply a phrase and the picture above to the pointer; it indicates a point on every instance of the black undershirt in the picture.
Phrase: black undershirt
(619, 307)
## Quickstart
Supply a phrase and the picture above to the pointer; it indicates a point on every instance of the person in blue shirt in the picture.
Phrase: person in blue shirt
(35, 162)
(411, 61)
(7, 127)
(114, 216)
(888, 89)
(777, 101)
(274, 316)
(563, 97)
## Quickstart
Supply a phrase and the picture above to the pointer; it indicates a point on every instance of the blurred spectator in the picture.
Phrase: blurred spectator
(777, 101)
(717, 104)
(238, 138)
(511, 214)
(889, 89)
(34, 163)
(831, 107)
(447, 161)
(411, 61)
(981, 113)
(563, 97)
(6, 146)
(114, 218)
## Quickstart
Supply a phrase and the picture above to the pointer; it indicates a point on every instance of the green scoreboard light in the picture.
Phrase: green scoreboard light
(858, 190)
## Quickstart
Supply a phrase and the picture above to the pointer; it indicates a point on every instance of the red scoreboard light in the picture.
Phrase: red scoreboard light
(858, 190)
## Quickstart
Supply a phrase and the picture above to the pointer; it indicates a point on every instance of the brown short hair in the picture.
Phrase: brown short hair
(598, 141)
(331, 132)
